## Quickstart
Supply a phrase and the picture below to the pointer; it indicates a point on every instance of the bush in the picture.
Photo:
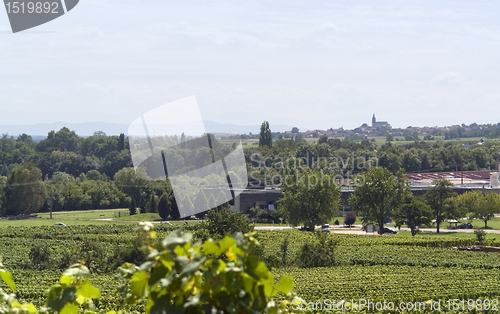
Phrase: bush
(40, 256)
(67, 259)
(480, 236)
(226, 222)
(321, 254)
(350, 219)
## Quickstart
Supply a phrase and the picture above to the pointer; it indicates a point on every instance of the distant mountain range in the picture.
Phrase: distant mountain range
(88, 128)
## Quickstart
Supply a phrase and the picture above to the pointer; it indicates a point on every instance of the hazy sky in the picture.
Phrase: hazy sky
(312, 64)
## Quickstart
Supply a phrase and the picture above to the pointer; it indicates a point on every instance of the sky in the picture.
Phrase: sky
(306, 63)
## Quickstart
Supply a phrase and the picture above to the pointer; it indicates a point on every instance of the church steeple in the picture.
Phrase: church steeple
(374, 120)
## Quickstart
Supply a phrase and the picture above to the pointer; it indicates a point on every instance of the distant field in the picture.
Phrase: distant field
(379, 140)
(91, 217)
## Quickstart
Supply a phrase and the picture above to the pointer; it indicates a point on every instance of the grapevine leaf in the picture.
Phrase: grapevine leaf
(86, 292)
(7, 278)
(285, 284)
(138, 283)
(69, 308)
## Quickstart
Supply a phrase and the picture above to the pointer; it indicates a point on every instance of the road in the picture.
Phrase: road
(356, 229)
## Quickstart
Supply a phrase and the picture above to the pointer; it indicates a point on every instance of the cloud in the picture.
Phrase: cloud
(449, 79)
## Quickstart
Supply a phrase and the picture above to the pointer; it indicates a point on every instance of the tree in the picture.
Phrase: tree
(295, 129)
(63, 140)
(132, 208)
(309, 200)
(380, 196)
(471, 201)
(436, 197)
(414, 212)
(152, 206)
(142, 203)
(25, 192)
(129, 183)
(3, 181)
(323, 139)
(226, 222)
(164, 206)
(389, 138)
(488, 206)
(121, 142)
(350, 219)
(265, 137)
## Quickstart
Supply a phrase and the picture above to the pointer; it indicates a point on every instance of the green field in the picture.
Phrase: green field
(391, 267)
(380, 140)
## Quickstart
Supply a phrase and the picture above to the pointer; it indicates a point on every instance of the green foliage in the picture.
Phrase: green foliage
(380, 195)
(164, 206)
(40, 256)
(265, 137)
(132, 208)
(185, 277)
(480, 236)
(311, 199)
(284, 253)
(414, 212)
(487, 207)
(152, 206)
(318, 254)
(25, 192)
(226, 222)
(73, 291)
(436, 197)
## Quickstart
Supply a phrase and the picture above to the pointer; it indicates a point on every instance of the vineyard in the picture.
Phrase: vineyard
(394, 268)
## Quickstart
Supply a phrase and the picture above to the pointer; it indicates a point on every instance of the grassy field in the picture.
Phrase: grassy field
(91, 217)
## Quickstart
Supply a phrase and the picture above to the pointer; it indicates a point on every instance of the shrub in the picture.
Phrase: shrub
(320, 254)
(226, 222)
(480, 236)
(350, 219)
(40, 256)
(67, 259)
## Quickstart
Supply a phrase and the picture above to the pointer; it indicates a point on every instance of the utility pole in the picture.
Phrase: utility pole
(462, 169)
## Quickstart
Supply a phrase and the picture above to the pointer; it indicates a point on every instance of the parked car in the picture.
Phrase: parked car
(465, 226)
(325, 228)
(390, 230)
(59, 224)
(305, 229)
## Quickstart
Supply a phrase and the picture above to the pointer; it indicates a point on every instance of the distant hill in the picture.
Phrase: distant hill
(40, 130)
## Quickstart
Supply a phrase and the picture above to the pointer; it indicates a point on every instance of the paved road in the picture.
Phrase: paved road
(356, 229)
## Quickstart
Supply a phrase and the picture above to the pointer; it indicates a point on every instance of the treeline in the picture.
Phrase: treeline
(346, 157)
(65, 151)
(68, 172)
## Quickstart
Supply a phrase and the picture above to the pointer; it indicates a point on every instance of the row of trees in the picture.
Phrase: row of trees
(387, 197)
(384, 196)
(24, 192)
